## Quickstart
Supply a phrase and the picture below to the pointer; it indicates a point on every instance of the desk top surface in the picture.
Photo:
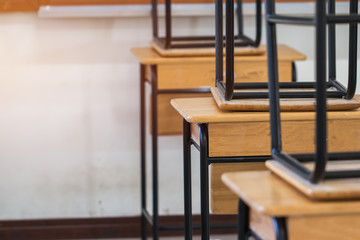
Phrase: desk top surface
(268, 194)
(205, 110)
(147, 55)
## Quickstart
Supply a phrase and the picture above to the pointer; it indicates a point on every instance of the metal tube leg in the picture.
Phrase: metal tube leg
(187, 180)
(280, 228)
(204, 182)
(243, 220)
(154, 122)
(143, 151)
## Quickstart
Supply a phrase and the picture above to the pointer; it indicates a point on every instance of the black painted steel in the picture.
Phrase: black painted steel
(230, 90)
(280, 228)
(142, 151)
(146, 217)
(171, 42)
(154, 127)
(321, 87)
(204, 182)
(187, 180)
(205, 161)
(243, 220)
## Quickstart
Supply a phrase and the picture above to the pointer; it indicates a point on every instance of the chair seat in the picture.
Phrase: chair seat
(329, 189)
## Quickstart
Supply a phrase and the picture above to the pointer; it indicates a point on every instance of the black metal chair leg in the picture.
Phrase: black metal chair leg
(187, 180)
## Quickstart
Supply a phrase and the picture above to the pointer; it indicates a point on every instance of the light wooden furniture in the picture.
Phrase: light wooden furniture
(331, 189)
(204, 52)
(286, 104)
(175, 77)
(271, 200)
(226, 137)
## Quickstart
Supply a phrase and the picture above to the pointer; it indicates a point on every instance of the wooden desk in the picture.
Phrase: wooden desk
(187, 77)
(238, 141)
(296, 217)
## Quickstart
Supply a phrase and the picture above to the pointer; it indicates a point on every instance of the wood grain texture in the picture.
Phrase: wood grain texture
(223, 201)
(348, 188)
(195, 133)
(150, 56)
(270, 195)
(287, 104)
(298, 136)
(205, 110)
(104, 2)
(19, 5)
(262, 225)
(169, 121)
(203, 52)
(324, 227)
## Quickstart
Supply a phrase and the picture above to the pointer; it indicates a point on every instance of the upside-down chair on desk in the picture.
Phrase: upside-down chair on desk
(170, 45)
(308, 196)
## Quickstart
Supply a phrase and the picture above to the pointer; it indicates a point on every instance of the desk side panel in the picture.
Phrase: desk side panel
(324, 227)
(262, 225)
(253, 139)
(224, 201)
(169, 120)
(200, 74)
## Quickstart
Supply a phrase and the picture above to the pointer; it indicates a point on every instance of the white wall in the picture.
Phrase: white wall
(69, 107)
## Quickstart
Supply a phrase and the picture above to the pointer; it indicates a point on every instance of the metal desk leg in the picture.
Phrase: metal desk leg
(204, 181)
(243, 220)
(154, 126)
(187, 180)
(280, 228)
(142, 151)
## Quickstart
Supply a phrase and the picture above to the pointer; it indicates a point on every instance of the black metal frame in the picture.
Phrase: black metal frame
(146, 216)
(205, 162)
(244, 231)
(321, 94)
(170, 42)
(292, 89)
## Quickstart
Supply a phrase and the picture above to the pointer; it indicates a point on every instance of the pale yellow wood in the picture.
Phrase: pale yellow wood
(262, 225)
(223, 201)
(269, 195)
(190, 75)
(252, 138)
(248, 134)
(201, 52)
(169, 121)
(288, 104)
(205, 110)
(348, 188)
(324, 227)
(195, 134)
(150, 56)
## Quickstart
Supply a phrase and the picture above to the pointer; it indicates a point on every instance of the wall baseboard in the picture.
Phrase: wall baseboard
(93, 228)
